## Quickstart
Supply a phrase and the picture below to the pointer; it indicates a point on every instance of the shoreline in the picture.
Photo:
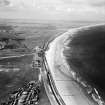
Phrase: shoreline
(57, 61)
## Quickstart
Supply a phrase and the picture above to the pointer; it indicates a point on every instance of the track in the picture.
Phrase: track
(49, 84)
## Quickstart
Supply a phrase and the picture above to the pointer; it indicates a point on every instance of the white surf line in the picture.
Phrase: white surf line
(54, 56)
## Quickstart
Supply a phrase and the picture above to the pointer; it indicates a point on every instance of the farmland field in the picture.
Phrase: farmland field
(16, 72)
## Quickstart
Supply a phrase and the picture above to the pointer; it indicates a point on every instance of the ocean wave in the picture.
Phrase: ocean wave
(85, 54)
(79, 53)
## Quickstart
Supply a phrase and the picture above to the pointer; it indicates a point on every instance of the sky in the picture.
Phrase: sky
(53, 9)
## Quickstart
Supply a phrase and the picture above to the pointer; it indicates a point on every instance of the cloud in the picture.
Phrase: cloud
(17, 3)
(4, 2)
(97, 3)
(85, 2)
(35, 4)
(53, 8)
(53, 4)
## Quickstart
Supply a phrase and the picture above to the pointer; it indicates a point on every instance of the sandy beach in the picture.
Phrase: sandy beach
(70, 91)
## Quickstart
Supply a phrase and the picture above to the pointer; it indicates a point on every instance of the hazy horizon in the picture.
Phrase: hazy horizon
(71, 10)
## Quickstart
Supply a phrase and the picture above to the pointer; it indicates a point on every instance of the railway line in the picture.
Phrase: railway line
(51, 89)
